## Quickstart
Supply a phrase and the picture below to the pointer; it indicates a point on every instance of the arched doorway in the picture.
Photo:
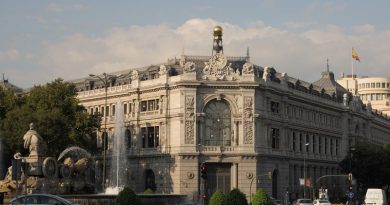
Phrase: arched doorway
(217, 124)
(150, 180)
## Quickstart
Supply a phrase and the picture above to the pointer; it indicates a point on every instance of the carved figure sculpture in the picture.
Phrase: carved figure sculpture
(163, 70)
(247, 68)
(34, 142)
(267, 73)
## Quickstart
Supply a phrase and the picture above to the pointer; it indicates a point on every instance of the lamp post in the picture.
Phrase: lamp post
(304, 170)
(105, 80)
(269, 174)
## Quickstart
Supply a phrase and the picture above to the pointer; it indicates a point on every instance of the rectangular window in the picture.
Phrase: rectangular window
(107, 110)
(300, 142)
(378, 85)
(388, 85)
(313, 139)
(102, 110)
(130, 107)
(319, 145)
(149, 105)
(372, 85)
(337, 147)
(383, 85)
(150, 137)
(144, 106)
(307, 142)
(113, 110)
(275, 138)
(367, 85)
(326, 147)
(125, 108)
(274, 107)
(294, 141)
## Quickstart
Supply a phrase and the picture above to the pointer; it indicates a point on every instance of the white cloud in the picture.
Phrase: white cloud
(297, 24)
(300, 54)
(366, 28)
(52, 7)
(9, 55)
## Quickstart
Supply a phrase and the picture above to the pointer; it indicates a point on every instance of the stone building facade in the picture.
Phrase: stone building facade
(242, 120)
(374, 91)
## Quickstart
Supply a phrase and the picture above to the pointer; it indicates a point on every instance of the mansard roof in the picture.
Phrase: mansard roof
(328, 82)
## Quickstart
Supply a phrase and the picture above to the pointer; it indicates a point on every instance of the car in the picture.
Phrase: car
(321, 202)
(375, 197)
(303, 202)
(39, 199)
(276, 202)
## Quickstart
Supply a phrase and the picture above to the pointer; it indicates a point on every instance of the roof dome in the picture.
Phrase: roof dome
(218, 31)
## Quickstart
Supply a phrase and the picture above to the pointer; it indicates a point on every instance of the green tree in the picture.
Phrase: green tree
(59, 119)
(369, 164)
(218, 198)
(127, 197)
(8, 101)
(149, 191)
(261, 198)
(236, 197)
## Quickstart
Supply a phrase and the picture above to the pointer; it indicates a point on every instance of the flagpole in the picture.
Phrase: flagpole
(352, 66)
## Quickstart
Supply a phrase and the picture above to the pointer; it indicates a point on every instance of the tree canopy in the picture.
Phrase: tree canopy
(261, 198)
(218, 198)
(55, 111)
(369, 165)
(236, 197)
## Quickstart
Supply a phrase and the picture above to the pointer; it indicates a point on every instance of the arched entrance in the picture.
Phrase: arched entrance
(150, 180)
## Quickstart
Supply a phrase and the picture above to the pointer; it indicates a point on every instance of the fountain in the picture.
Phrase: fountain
(118, 171)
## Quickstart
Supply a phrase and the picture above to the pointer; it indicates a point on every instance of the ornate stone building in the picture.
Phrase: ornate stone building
(242, 120)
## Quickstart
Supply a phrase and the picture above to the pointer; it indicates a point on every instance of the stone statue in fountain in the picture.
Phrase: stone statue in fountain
(34, 143)
(72, 172)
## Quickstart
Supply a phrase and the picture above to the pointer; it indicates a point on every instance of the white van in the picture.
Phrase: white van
(375, 197)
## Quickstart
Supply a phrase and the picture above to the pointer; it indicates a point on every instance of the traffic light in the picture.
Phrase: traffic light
(269, 175)
(203, 171)
(350, 177)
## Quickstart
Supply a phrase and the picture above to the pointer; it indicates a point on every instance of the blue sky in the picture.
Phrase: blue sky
(44, 40)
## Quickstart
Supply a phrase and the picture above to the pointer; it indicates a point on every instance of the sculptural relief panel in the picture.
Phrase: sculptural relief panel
(189, 119)
(248, 120)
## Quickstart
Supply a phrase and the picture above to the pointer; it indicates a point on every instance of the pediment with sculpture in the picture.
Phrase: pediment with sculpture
(218, 68)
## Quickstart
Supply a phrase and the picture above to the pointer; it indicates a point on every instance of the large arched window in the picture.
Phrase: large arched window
(217, 124)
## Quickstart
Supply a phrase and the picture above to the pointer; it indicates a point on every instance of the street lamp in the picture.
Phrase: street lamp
(106, 81)
(269, 174)
(304, 170)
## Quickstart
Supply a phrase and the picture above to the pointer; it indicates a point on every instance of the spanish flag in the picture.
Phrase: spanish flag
(355, 55)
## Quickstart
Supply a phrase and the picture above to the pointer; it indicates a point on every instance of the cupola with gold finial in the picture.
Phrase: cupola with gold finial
(217, 44)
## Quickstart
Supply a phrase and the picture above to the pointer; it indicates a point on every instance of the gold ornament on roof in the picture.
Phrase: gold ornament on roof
(218, 31)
